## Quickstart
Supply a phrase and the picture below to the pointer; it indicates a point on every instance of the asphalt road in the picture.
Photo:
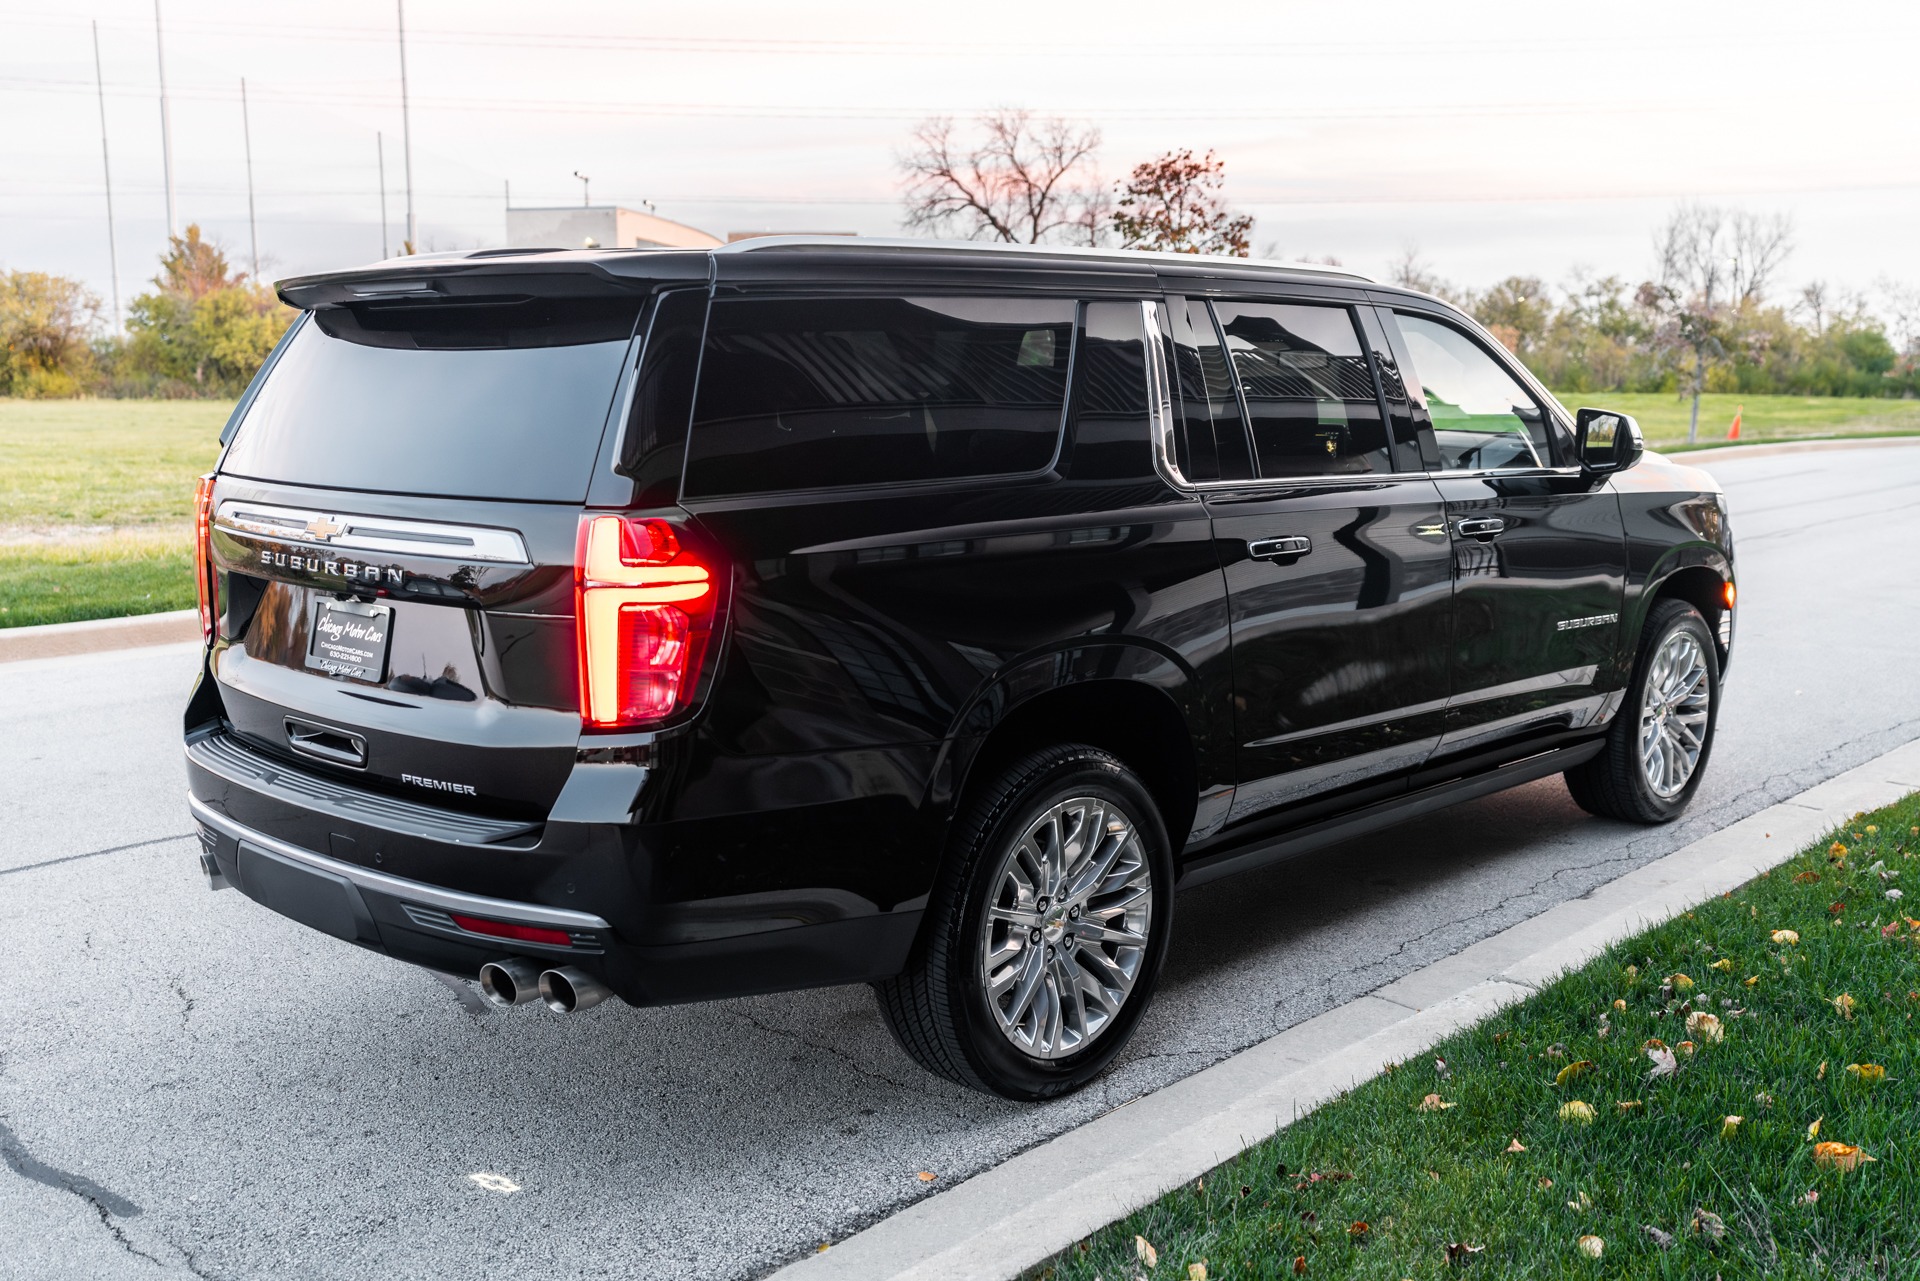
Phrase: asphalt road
(192, 1085)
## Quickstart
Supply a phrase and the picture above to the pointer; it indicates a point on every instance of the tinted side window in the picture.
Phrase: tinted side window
(1216, 437)
(827, 392)
(1482, 417)
(1310, 395)
(1111, 428)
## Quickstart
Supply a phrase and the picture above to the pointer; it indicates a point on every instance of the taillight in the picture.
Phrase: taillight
(645, 608)
(203, 554)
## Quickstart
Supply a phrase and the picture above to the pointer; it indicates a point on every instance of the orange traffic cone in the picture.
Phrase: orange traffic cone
(1733, 433)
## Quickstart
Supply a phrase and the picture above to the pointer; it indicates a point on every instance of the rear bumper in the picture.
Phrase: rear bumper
(396, 875)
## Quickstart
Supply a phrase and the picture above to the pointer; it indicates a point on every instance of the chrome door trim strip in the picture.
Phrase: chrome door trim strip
(391, 535)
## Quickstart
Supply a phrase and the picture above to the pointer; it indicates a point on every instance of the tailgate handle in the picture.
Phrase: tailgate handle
(324, 743)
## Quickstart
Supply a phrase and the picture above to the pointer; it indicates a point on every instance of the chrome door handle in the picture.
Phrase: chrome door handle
(1481, 527)
(1279, 548)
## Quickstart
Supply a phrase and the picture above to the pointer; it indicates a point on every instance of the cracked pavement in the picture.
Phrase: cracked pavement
(192, 1086)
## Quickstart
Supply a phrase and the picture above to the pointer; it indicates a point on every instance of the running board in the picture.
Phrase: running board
(1383, 814)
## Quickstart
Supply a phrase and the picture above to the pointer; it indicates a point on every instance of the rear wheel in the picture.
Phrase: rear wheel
(1657, 748)
(1047, 932)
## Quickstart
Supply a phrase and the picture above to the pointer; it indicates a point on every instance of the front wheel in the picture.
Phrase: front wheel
(1656, 750)
(1047, 932)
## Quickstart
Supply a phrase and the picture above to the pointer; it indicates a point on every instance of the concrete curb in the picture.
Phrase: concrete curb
(1697, 456)
(57, 640)
(1042, 1201)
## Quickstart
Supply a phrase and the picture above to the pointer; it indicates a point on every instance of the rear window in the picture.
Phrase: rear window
(820, 393)
(472, 401)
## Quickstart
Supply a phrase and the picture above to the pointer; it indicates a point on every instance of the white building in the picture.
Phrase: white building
(599, 227)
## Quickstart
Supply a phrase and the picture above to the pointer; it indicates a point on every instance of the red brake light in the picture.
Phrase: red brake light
(203, 554)
(519, 933)
(645, 608)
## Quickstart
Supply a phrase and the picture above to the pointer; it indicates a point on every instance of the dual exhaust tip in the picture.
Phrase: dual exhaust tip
(562, 990)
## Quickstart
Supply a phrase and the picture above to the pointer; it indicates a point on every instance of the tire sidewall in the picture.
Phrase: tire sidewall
(988, 1051)
(1664, 624)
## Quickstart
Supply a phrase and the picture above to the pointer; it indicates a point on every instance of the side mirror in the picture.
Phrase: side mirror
(1606, 441)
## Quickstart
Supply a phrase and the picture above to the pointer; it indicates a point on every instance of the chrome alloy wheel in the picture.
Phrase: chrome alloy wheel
(1673, 714)
(1065, 933)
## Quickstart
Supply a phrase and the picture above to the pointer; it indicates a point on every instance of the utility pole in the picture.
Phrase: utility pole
(406, 130)
(380, 150)
(246, 133)
(585, 203)
(506, 203)
(166, 121)
(106, 167)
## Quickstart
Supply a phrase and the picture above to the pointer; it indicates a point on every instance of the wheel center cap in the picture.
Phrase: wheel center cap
(1056, 925)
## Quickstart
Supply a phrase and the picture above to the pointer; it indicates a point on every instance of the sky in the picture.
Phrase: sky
(1494, 139)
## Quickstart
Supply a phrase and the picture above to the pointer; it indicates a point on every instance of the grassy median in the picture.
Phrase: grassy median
(1663, 415)
(96, 516)
(1735, 1093)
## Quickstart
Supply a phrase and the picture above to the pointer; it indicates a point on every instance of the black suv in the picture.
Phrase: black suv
(679, 625)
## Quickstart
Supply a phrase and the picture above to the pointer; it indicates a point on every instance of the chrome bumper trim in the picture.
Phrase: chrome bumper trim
(496, 909)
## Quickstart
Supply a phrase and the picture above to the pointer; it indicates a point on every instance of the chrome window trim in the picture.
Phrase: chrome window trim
(395, 536)
(1160, 408)
(497, 909)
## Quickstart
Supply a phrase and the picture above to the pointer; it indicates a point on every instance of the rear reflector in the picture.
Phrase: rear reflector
(645, 608)
(518, 933)
(203, 554)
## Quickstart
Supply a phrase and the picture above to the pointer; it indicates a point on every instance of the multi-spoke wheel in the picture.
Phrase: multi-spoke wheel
(1065, 933)
(1048, 930)
(1657, 746)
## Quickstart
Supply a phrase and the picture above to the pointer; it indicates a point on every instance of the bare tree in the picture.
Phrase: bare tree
(1816, 303)
(1173, 203)
(1020, 179)
(1901, 305)
(1411, 271)
(1714, 269)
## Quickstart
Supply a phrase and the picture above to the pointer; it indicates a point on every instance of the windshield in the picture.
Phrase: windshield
(505, 401)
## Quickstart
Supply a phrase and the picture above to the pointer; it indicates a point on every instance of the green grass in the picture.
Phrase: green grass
(1424, 1180)
(1663, 417)
(96, 516)
(94, 578)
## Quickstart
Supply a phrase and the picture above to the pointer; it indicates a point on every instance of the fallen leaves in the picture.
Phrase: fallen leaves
(1577, 1112)
(1144, 1251)
(1664, 1063)
(926, 1176)
(1788, 937)
(1628, 1105)
(1662, 1239)
(1813, 1130)
(1806, 878)
(1580, 1067)
(1581, 1203)
(1433, 1103)
(1299, 1265)
(1591, 1246)
(1839, 1156)
(1705, 1026)
(1680, 982)
(1844, 1003)
(1359, 1230)
(1707, 1223)
(1724, 965)
(1867, 1073)
(1197, 1271)
(1516, 1146)
(1460, 1253)
(1730, 1126)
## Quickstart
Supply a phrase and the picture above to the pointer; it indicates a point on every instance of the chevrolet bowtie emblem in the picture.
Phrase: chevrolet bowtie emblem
(324, 528)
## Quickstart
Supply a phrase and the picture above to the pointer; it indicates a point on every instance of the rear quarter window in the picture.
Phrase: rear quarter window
(816, 393)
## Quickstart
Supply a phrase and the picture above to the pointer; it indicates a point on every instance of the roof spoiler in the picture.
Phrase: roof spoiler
(495, 275)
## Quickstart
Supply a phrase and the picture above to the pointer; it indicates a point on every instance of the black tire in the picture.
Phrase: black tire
(1613, 784)
(938, 1009)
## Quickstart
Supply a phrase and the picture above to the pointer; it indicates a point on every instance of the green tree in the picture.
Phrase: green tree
(45, 321)
(205, 328)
